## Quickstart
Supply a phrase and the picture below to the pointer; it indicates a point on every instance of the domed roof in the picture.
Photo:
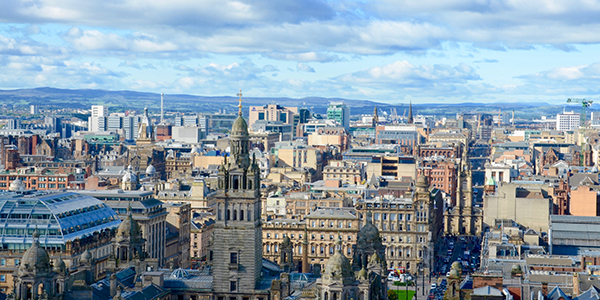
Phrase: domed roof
(150, 170)
(362, 274)
(374, 259)
(456, 266)
(129, 175)
(86, 256)
(368, 234)
(16, 185)
(196, 150)
(516, 268)
(422, 181)
(491, 181)
(240, 127)
(422, 184)
(35, 257)
(455, 273)
(59, 265)
(129, 228)
(180, 273)
(338, 267)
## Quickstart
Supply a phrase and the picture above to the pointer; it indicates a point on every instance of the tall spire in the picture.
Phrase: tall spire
(410, 116)
(240, 103)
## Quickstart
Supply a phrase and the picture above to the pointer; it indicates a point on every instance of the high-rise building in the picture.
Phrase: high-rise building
(190, 120)
(130, 126)
(567, 121)
(340, 112)
(97, 121)
(13, 124)
(34, 109)
(272, 112)
(114, 122)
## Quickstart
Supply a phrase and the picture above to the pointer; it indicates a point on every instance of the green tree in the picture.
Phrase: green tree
(392, 295)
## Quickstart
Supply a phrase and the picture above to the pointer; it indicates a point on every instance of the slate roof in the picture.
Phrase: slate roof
(590, 294)
(486, 291)
(557, 293)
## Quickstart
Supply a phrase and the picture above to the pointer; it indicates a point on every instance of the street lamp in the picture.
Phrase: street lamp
(422, 277)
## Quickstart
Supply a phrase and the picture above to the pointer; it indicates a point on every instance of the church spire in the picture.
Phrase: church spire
(410, 114)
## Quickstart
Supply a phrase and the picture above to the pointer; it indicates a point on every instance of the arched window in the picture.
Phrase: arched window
(234, 214)
(242, 215)
(236, 182)
(228, 215)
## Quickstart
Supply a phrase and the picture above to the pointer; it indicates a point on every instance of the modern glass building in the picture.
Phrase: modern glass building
(59, 217)
(340, 112)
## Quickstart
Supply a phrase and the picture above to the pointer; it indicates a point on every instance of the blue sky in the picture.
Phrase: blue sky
(425, 51)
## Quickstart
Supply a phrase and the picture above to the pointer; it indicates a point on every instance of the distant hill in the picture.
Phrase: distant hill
(124, 100)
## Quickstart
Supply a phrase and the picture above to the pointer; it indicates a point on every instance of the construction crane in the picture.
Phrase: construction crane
(584, 104)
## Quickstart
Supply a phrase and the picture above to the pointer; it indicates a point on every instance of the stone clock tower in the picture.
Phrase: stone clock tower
(236, 246)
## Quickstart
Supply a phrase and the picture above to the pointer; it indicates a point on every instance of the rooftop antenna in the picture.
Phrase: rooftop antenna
(162, 106)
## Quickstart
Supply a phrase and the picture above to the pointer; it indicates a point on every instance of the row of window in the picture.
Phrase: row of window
(332, 224)
(3, 262)
(392, 217)
(51, 179)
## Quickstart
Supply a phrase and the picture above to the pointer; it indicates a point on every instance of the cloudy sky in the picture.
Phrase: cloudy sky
(391, 51)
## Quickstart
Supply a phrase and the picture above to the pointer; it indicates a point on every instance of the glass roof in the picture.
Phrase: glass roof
(59, 217)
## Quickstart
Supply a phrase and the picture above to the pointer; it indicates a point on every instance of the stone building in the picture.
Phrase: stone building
(300, 204)
(464, 217)
(178, 234)
(178, 164)
(340, 282)
(195, 191)
(320, 227)
(326, 137)
(146, 209)
(408, 226)
(236, 249)
(201, 230)
(345, 171)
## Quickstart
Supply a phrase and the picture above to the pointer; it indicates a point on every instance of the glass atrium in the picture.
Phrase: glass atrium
(59, 217)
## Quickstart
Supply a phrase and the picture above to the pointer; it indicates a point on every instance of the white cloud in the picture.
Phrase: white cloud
(302, 67)
(403, 73)
(83, 40)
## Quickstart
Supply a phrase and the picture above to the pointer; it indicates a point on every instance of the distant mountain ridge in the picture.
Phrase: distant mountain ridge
(124, 100)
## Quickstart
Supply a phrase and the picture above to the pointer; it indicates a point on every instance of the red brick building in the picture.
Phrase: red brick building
(442, 174)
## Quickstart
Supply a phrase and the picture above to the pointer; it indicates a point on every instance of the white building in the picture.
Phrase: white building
(34, 109)
(501, 172)
(567, 121)
(187, 134)
(97, 121)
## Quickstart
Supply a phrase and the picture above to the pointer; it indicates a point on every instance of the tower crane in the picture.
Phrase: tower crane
(584, 104)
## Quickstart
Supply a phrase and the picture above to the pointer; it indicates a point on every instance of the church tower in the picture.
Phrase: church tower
(236, 251)
(145, 130)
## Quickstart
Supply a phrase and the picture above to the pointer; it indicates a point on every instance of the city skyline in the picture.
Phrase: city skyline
(385, 51)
